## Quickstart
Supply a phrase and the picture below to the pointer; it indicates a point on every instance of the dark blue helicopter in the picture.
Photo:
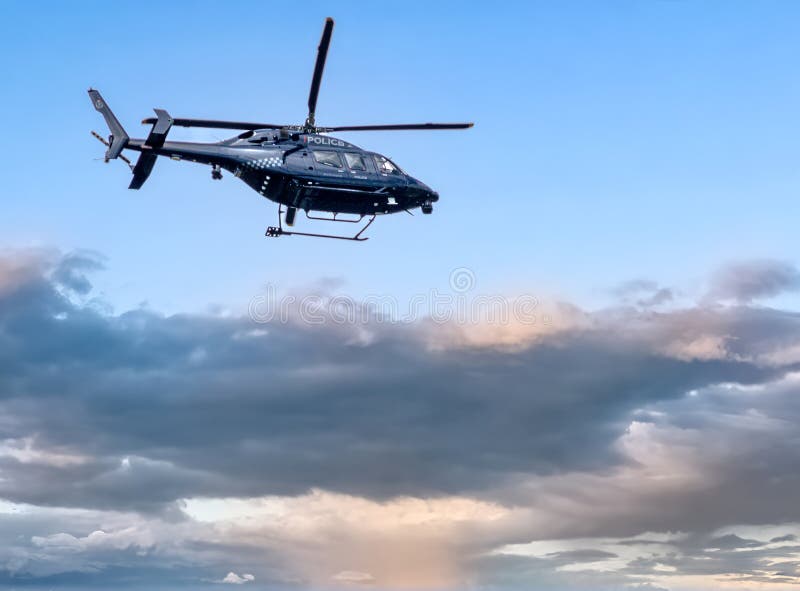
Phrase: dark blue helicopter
(294, 165)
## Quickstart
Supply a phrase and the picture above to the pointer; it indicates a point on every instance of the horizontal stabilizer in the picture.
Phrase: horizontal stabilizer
(155, 139)
(161, 127)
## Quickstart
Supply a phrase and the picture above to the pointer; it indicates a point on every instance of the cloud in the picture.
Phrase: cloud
(643, 293)
(391, 417)
(26, 452)
(646, 587)
(752, 280)
(233, 579)
(353, 576)
(621, 447)
(731, 542)
(583, 555)
(687, 561)
(72, 269)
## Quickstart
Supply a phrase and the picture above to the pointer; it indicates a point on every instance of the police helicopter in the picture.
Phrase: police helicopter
(297, 166)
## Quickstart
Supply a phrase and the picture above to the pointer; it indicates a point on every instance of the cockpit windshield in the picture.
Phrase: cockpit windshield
(386, 166)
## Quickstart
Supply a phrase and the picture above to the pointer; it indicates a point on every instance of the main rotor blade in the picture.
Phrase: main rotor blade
(215, 124)
(401, 126)
(322, 54)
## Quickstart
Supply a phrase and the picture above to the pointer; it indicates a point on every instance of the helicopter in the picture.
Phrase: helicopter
(300, 167)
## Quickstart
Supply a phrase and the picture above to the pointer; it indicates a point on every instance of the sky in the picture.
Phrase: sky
(581, 372)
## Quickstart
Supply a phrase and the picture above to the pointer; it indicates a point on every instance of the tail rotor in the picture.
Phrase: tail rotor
(106, 143)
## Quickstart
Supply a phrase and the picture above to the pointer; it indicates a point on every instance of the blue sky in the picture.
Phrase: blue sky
(612, 141)
(633, 164)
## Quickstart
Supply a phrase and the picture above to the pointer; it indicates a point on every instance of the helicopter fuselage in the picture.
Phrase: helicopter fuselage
(307, 171)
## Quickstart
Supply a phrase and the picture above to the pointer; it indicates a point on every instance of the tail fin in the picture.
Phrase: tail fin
(119, 139)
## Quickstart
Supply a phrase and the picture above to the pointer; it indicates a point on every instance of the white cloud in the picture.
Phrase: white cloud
(132, 536)
(353, 576)
(233, 579)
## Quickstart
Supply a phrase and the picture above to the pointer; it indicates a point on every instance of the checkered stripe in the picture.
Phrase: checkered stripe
(264, 163)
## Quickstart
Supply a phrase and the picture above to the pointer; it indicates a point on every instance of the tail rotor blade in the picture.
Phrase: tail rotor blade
(104, 141)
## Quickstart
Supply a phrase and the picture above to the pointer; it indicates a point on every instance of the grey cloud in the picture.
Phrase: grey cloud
(152, 409)
(517, 572)
(652, 568)
(72, 269)
(47, 548)
(732, 541)
(748, 281)
(722, 456)
(644, 293)
(203, 409)
(576, 556)
(660, 296)
(699, 555)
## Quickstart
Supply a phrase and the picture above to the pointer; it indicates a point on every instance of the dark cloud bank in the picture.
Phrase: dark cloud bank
(158, 409)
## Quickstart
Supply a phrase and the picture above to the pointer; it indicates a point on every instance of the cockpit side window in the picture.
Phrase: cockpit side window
(328, 158)
(385, 166)
(355, 161)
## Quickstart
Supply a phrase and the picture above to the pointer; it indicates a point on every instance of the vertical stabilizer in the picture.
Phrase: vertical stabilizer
(119, 139)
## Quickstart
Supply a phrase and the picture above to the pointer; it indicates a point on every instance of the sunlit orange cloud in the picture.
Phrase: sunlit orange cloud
(550, 318)
(19, 266)
(341, 540)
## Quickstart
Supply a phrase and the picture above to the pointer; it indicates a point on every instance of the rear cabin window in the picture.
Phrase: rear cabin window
(355, 161)
(328, 158)
(385, 166)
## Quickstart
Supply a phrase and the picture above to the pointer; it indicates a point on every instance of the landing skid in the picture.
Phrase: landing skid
(278, 231)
